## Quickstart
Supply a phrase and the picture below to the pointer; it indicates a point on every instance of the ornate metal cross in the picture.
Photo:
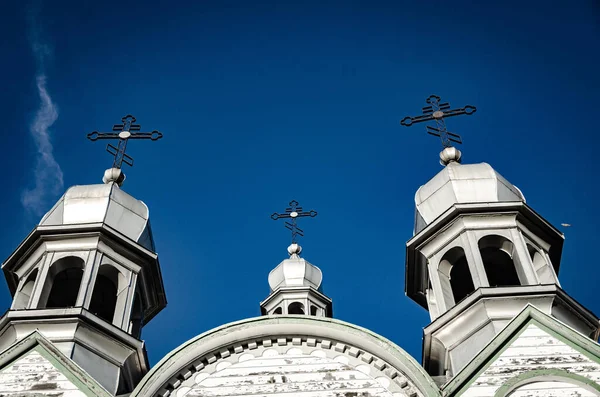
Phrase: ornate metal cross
(438, 111)
(294, 211)
(123, 132)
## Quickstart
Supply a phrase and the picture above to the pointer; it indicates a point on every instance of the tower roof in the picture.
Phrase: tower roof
(105, 203)
(295, 272)
(461, 184)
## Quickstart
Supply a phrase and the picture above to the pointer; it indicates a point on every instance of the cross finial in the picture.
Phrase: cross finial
(439, 111)
(123, 132)
(292, 212)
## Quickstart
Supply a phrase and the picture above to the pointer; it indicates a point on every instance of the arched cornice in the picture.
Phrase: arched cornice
(237, 337)
(553, 374)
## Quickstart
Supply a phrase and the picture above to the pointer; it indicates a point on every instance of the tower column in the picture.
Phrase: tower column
(125, 298)
(90, 276)
(86, 281)
(522, 259)
(42, 276)
(437, 288)
(474, 260)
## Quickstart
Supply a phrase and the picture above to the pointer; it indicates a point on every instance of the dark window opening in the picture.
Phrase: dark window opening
(313, 310)
(65, 288)
(278, 311)
(461, 279)
(296, 308)
(104, 297)
(454, 266)
(497, 255)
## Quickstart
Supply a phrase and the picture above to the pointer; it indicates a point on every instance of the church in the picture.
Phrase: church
(481, 261)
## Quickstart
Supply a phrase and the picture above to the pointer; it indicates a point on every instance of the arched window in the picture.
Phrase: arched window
(296, 308)
(62, 286)
(454, 270)
(542, 269)
(104, 297)
(24, 294)
(278, 311)
(313, 310)
(497, 255)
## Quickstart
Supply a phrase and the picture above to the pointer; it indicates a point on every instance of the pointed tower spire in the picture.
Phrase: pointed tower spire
(296, 283)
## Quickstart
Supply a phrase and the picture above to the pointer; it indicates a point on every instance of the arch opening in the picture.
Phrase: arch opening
(296, 308)
(278, 311)
(497, 254)
(455, 268)
(24, 294)
(313, 310)
(104, 297)
(64, 280)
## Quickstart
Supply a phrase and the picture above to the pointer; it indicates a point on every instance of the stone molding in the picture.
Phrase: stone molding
(234, 342)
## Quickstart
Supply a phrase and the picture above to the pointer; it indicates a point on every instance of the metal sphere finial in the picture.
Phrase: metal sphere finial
(449, 155)
(294, 249)
(115, 175)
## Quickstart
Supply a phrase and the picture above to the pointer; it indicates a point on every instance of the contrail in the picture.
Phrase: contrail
(48, 176)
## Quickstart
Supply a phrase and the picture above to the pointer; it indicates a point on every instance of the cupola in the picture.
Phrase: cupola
(88, 279)
(478, 256)
(296, 288)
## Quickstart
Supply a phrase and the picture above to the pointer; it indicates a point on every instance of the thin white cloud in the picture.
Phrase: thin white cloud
(48, 176)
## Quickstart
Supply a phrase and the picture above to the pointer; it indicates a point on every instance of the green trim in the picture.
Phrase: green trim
(529, 315)
(482, 361)
(583, 345)
(75, 374)
(545, 374)
(73, 379)
(268, 326)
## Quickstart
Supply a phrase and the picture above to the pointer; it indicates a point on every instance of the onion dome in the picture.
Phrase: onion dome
(295, 272)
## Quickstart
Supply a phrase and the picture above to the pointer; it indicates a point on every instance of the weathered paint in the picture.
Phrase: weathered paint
(299, 374)
(36, 344)
(321, 369)
(33, 374)
(317, 357)
(551, 389)
(534, 350)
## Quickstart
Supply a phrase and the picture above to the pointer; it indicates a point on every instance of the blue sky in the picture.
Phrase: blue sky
(264, 102)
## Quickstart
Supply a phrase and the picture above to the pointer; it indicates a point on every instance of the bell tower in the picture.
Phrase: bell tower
(88, 279)
(478, 256)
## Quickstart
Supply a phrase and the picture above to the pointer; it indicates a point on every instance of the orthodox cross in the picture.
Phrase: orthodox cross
(123, 132)
(438, 111)
(294, 211)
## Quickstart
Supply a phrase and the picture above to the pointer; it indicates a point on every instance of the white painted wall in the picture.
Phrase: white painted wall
(551, 389)
(535, 349)
(33, 375)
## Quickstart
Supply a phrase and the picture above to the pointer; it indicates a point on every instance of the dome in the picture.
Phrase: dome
(461, 184)
(103, 203)
(295, 272)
